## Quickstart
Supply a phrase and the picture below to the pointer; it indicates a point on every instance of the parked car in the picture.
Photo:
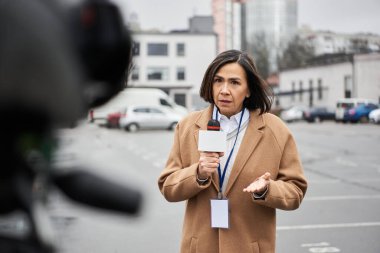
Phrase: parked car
(134, 118)
(135, 96)
(374, 116)
(294, 113)
(345, 104)
(359, 113)
(319, 114)
(113, 119)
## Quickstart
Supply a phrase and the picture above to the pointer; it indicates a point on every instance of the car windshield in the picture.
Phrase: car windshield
(344, 105)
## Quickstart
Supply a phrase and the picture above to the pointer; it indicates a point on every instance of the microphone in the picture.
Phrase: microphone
(95, 191)
(212, 140)
(213, 125)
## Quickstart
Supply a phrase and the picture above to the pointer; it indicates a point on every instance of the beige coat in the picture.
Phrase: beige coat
(267, 146)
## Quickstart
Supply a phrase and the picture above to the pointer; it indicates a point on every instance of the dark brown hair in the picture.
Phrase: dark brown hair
(261, 94)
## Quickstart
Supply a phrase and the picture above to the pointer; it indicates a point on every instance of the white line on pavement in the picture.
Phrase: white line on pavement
(319, 244)
(324, 226)
(350, 197)
(345, 162)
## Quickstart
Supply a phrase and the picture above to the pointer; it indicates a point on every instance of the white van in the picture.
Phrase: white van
(347, 103)
(136, 96)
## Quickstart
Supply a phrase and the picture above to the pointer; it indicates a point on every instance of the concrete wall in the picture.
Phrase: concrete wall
(364, 73)
(331, 79)
(367, 76)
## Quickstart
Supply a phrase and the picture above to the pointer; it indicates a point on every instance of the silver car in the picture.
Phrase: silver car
(294, 113)
(134, 118)
(374, 116)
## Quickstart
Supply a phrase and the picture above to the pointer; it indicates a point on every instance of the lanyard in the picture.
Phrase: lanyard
(222, 175)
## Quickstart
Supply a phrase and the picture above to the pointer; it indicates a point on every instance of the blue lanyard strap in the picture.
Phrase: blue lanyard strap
(222, 175)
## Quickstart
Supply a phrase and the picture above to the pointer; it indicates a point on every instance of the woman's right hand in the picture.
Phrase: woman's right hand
(208, 164)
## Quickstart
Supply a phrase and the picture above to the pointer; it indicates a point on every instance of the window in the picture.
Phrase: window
(180, 49)
(164, 102)
(348, 86)
(158, 73)
(135, 48)
(320, 95)
(155, 110)
(180, 99)
(293, 91)
(180, 73)
(135, 73)
(141, 110)
(157, 49)
(311, 90)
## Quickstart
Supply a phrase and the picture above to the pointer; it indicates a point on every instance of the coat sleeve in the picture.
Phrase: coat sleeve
(287, 190)
(178, 182)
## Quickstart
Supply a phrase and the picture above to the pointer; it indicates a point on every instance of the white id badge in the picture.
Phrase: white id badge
(219, 213)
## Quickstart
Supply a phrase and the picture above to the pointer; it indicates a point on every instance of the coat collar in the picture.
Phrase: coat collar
(251, 139)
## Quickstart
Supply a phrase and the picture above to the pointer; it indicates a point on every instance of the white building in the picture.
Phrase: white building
(275, 21)
(326, 42)
(173, 62)
(331, 77)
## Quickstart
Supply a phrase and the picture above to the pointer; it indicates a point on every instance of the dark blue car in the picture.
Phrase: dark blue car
(319, 114)
(359, 113)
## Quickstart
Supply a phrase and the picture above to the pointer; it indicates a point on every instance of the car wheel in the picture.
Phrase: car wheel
(172, 126)
(363, 119)
(133, 127)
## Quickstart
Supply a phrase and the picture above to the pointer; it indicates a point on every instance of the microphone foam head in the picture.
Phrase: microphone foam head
(213, 125)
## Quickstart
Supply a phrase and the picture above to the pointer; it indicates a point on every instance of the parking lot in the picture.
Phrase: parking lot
(339, 213)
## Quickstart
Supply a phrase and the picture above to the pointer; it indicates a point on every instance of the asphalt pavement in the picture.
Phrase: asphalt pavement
(340, 212)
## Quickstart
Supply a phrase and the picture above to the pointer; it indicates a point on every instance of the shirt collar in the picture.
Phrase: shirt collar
(230, 124)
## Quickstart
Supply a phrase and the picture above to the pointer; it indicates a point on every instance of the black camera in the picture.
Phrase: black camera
(57, 60)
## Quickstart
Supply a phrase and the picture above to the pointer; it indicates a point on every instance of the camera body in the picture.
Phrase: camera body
(57, 61)
(60, 60)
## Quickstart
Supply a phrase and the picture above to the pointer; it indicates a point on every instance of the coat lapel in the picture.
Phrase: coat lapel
(201, 124)
(251, 139)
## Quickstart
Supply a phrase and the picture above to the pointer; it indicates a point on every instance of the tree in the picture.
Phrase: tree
(258, 48)
(296, 54)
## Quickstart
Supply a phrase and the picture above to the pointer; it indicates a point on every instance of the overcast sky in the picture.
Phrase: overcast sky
(347, 16)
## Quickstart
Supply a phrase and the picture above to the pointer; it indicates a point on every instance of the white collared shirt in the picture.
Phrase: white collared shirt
(230, 126)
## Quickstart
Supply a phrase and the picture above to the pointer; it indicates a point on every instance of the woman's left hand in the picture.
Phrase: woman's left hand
(259, 185)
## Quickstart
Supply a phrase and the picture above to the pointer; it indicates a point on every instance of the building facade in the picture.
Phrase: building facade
(275, 22)
(326, 42)
(330, 78)
(228, 23)
(173, 62)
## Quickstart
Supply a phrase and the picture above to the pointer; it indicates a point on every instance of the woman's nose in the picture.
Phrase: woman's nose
(224, 89)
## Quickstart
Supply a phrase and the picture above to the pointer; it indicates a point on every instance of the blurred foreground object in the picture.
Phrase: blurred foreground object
(55, 62)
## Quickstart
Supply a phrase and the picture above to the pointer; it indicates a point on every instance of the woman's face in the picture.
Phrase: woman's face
(230, 88)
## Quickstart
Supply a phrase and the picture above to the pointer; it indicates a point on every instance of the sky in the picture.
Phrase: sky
(344, 16)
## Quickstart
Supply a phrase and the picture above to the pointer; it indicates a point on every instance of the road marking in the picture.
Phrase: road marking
(345, 162)
(319, 244)
(324, 226)
(351, 197)
(324, 250)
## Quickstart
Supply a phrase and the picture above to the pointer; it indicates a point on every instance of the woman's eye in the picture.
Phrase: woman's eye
(217, 80)
(235, 82)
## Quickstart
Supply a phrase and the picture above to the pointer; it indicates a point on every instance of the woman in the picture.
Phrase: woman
(260, 171)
